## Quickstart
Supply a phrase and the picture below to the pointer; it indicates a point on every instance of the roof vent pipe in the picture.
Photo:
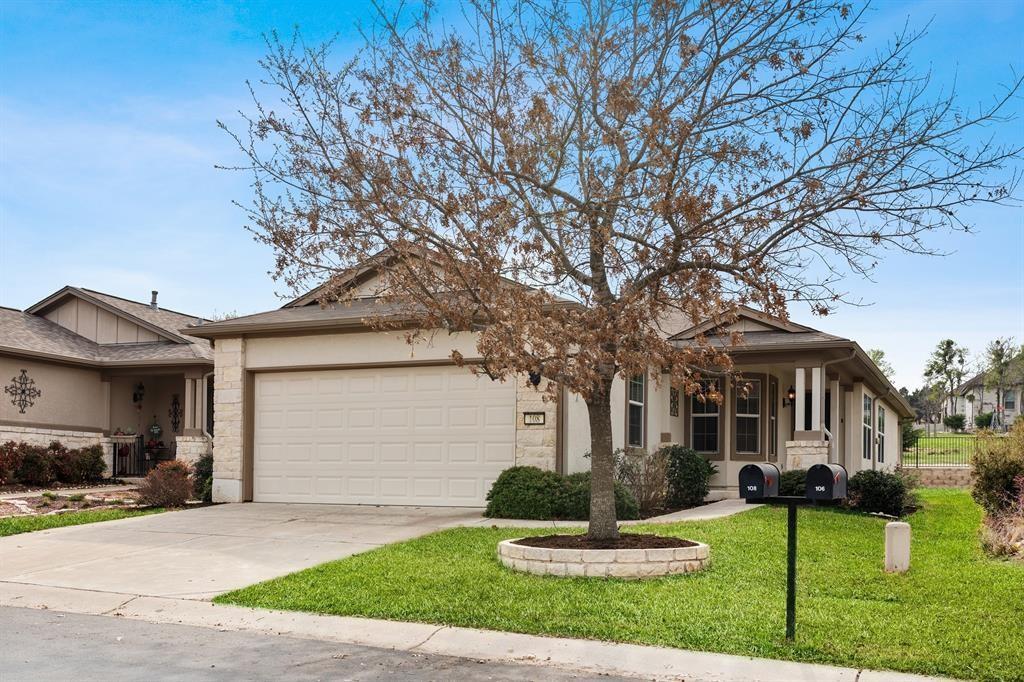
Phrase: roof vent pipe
(152, 303)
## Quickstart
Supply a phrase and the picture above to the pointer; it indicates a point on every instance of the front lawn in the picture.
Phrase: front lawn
(26, 524)
(956, 613)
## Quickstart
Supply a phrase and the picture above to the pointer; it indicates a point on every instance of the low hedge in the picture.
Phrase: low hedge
(524, 492)
(39, 465)
(879, 492)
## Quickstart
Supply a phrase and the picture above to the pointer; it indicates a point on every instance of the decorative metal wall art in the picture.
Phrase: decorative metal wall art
(175, 413)
(673, 402)
(23, 391)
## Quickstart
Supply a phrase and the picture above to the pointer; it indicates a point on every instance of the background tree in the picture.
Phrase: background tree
(563, 178)
(877, 356)
(947, 367)
(1004, 367)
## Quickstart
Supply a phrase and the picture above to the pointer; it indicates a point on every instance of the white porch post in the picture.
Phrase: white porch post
(798, 402)
(817, 396)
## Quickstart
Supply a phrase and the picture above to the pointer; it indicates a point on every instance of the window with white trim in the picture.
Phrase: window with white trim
(635, 411)
(881, 433)
(1010, 400)
(868, 444)
(704, 415)
(748, 418)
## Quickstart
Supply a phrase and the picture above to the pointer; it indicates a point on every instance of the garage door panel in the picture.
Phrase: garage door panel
(420, 436)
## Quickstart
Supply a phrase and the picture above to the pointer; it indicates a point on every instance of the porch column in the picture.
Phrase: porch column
(798, 402)
(817, 397)
(193, 404)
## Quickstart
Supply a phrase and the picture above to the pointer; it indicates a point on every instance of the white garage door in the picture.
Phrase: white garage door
(410, 436)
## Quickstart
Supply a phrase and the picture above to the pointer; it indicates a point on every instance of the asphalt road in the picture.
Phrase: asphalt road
(40, 646)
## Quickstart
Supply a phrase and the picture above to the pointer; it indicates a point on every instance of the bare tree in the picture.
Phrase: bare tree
(563, 176)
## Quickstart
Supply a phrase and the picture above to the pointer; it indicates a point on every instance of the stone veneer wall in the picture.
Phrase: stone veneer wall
(40, 436)
(942, 477)
(228, 395)
(803, 454)
(188, 449)
(604, 563)
(535, 444)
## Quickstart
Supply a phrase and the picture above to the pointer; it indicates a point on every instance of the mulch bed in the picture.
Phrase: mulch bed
(22, 488)
(625, 541)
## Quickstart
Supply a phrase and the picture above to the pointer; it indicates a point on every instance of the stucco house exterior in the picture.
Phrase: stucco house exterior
(311, 405)
(974, 399)
(83, 367)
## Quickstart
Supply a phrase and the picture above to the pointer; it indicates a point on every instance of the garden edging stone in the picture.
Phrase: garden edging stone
(604, 563)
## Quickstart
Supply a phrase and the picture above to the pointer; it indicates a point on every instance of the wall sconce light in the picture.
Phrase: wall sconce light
(139, 393)
(790, 397)
(535, 379)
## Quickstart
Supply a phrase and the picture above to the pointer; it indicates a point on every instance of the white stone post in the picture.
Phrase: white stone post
(897, 547)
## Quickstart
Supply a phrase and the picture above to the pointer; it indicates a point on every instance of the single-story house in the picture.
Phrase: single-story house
(974, 399)
(312, 405)
(83, 367)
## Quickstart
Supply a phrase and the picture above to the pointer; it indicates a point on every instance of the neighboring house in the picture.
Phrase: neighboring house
(83, 367)
(975, 399)
(314, 406)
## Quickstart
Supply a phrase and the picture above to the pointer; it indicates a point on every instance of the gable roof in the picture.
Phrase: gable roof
(28, 333)
(745, 313)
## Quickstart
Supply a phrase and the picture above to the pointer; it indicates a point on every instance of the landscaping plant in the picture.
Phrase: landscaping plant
(997, 464)
(645, 475)
(983, 420)
(689, 476)
(524, 492)
(956, 422)
(36, 466)
(202, 476)
(793, 482)
(1002, 534)
(167, 485)
(879, 492)
(11, 456)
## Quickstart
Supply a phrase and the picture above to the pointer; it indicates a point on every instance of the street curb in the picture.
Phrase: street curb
(658, 663)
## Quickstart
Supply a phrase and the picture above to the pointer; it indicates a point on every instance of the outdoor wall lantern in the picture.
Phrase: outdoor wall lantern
(535, 379)
(790, 397)
(139, 393)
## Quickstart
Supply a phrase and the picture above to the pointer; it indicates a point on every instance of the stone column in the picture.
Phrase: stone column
(536, 444)
(803, 454)
(228, 408)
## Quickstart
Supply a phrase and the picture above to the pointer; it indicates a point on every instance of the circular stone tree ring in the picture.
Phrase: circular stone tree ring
(679, 556)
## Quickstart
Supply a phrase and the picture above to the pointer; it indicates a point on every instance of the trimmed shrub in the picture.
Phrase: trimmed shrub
(983, 420)
(574, 502)
(689, 476)
(202, 478)
(168, 485)
(793, 482)
(89, 462)
(10, 461)
(523, 492)
(909, 434)
(1002, 535)
(879, 492)
(530, 493)
(645, 475)
(955, 422)
(997, 463)
(36, 466)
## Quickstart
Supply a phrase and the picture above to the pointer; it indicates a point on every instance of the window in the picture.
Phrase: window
(704, 420)
(637, 390)
(867, 428)
(773, 419)
(748, 418)
(881, 433)
(1009, 400)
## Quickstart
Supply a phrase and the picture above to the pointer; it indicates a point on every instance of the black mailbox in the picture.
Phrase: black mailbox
(826, 482)
(758, 481)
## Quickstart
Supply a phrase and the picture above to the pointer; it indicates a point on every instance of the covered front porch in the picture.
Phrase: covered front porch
(794, 409)
(156, 414)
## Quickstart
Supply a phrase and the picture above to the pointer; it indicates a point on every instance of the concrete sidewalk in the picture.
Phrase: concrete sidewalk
(586, 656)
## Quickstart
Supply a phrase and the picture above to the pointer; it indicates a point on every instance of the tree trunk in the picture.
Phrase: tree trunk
(603, 523)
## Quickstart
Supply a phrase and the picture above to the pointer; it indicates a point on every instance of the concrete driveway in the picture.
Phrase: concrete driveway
(199, 553)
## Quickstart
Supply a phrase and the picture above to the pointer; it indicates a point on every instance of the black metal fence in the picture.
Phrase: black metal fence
(945, 450)
(129, 456)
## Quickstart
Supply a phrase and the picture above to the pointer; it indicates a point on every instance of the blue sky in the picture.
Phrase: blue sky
(108, 144)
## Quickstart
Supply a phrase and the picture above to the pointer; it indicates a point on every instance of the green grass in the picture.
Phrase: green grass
(956, 613)
(945, 449)
(27, 524)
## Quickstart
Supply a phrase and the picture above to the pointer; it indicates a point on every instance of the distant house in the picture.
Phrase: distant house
(974, 399)
(83, 367)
